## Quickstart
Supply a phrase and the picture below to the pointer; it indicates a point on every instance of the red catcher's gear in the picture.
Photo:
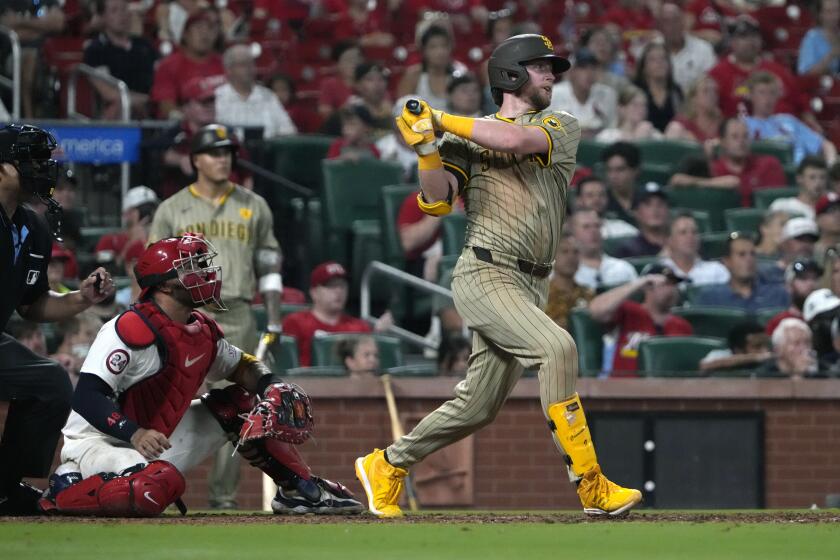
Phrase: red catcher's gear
(186, 353)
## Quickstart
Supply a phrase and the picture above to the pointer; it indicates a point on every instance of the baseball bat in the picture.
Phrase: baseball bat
(397, 432)
(266, 339)
(413, 106)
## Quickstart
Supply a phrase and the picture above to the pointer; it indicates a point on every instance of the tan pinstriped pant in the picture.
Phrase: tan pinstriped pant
(504, 308)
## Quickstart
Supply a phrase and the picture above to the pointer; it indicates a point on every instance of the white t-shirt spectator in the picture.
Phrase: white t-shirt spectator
(612, 272)
(793, 206)
(695, 59)
(703, 273)
(260, 108)
(599, 111)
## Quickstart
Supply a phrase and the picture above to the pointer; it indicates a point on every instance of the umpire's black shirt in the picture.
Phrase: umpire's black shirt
(23, 279)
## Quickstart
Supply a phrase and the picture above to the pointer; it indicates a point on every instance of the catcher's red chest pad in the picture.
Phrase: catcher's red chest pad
(186, 353)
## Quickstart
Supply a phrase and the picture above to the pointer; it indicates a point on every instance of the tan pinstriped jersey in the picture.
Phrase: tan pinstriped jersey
(238, 226)
(515, 204)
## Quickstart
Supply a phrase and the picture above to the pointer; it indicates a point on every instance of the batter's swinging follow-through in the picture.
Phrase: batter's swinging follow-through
(512, 169)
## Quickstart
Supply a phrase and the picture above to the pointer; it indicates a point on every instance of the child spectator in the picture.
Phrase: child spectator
(356, 141)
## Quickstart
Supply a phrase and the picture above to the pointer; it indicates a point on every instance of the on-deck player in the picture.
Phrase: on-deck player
(512, 169)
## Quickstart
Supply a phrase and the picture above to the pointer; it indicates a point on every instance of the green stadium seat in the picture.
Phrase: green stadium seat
(675, 356)
(366, 248)
(612, 244)
(589, 152)
(656, 172)
(317, 371)
(783, 151)
(298, 158)
(429, 369)
(324, 349)
(453, 233)
(713, 245)
(707, 320)
(743, 219)
(284, 355)
(667, 153)
(588, 336)
(763, 198)
(763, 316)
(714, 201)
(392, 199)
(308, 221)
(704, 223)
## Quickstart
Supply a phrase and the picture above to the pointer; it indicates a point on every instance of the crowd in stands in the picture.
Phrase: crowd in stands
(717, 78)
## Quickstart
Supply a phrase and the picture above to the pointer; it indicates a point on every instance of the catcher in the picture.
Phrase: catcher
(135, 428)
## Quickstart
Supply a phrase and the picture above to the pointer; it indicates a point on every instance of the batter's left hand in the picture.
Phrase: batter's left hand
(98, 286)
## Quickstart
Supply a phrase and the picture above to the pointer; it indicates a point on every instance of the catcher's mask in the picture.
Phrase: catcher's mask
(189, 259)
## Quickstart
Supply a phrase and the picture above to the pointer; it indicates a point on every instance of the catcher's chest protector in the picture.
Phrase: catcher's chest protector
(186, 353)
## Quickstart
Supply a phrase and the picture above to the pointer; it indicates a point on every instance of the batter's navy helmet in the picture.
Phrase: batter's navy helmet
(506, 67)
(213, 136)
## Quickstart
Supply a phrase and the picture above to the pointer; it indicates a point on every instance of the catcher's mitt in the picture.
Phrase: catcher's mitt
(284, 413)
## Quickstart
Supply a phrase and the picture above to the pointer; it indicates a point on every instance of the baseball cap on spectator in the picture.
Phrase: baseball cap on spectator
(800, 227)
(827, 201)
(139, 196)
(325, 272)
(648, 191)
(819, 301)
(60, 252)
(799, 268)
(584, 57)
(744, 25)
(664, 270)
(200, 15)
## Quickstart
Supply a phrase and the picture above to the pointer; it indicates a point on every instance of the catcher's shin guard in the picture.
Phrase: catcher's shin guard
(141, 491)
(568, 422)
(279, 460)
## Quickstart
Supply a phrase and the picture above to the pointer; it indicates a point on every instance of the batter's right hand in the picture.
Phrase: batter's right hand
(150, 443)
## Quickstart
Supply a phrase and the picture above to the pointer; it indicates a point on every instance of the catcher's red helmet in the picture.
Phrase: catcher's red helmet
(189, 259)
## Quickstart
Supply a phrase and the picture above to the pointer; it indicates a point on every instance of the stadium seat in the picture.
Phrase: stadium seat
(298, 158)
(284, 355)
(714, 201)
(763, 198)
(392, 199)
(367, 247)
(317, 371)
(639, 263)
(308, 223)
(743, 219)
(659, 173)
(763, 316)
(588, 336)
(713, 245)
(667, 153)
(711, 320)
(428, 369)
(612, 244)
(324, 349)
(453, 232)
(589, 152)
(675, 356)
(782, 151)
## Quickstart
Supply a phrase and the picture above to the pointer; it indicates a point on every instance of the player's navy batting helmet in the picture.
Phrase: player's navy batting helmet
(213, 136)
(189, 259)
(506, 67)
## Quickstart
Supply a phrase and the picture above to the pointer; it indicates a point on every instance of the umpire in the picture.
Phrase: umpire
(37, 389)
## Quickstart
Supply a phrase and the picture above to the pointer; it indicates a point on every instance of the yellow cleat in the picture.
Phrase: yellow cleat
(383, 483)
(599, 496)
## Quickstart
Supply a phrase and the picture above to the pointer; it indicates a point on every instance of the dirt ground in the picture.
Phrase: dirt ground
(202, 518)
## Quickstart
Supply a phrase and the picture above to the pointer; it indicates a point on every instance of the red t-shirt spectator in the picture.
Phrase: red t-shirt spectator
(634, 325)
(409, 214)
(114, 242)
(177, 70)
(304, 325)
(629, 20)
(778, 318)
(760, 172)
(339, 145)
(708, 14)
(334, 92)
(731, 80)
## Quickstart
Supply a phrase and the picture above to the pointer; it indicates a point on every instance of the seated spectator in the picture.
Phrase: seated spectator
(736, 167)
(592, 195)
(336, 90)
(682, 254)
(372, 90)
(612, 69)
(748, 347)
(125, 57)
(360, 19)
(652, 210)
(138, 209)
(621, 164)
(359, 355)
(430, 78)
(420, 239)
(56, 268)
(828, 221)
(819, 311)
(802, 277)
(596, 270)
(564, 294)
(732, 71)
(28, 333)
(33, 22)
(799, 235)
(632, 20)
(793, 353)
(328, 289)
(632, 119)
(453, 355)
(243, 102)
(699, 118)
(79, 333)
(392, 146)
(766, 123)
(196, 59)
(830, 363)
(636, 322)
(595, 105)
(305, 117)
(655, 78)
(356, 141)
(812, 180)
(745, 290)
(464, 94)
(819, 51)
(770, 234)
(707, 18)
(172, 18)
(691, 57)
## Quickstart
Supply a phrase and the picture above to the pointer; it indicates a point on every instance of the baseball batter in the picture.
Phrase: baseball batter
(240, 224)
(512, 170)
(135, 428)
